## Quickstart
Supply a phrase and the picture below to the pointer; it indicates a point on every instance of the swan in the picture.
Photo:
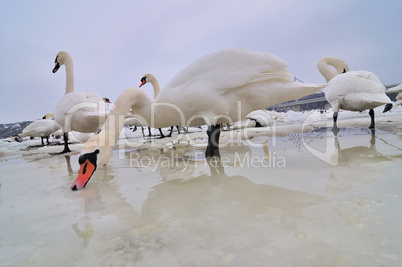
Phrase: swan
(351, 90)
(263, 117)
(157, 89)
(40, 128)
(225, 85)
(79, 111)
(132, 119)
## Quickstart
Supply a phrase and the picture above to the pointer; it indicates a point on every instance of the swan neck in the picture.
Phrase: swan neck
(69, 76)
(338, 66)
(156, 86)
(111, 130)
(326, 70)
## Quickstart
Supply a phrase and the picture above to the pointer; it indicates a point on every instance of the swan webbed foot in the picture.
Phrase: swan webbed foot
(212, 152)
(60, 153)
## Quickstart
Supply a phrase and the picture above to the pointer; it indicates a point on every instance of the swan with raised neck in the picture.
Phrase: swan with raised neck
(79, 111)
(64, 58)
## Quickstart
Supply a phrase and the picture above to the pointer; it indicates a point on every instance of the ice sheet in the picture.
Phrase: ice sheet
(290, 194)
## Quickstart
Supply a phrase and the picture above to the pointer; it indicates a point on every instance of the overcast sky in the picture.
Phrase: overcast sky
(113, 43)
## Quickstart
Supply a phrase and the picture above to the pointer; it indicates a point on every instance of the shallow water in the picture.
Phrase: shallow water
(299, 199)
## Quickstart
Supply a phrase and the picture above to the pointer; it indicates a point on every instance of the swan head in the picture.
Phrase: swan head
(61, 59)
(107, 100)
(147, 78)
(48, 116)
(88, 163)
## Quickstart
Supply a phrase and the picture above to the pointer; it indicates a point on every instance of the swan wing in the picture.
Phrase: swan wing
(80, 111)
(353, 82)
(40, 128)
(228, 69)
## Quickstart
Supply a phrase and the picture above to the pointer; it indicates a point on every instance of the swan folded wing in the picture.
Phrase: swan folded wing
(356, 82)
(369, 76)
(94, 113)
(40, 128)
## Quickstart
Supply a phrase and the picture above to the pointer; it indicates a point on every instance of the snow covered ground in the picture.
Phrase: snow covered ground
(287, 194)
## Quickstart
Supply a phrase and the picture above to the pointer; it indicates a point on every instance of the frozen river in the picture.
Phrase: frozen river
(278, 198)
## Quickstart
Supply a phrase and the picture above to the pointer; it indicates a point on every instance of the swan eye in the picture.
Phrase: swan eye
(144, 79)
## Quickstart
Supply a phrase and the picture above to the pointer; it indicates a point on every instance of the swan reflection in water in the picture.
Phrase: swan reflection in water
(207, 206)
(357, 165)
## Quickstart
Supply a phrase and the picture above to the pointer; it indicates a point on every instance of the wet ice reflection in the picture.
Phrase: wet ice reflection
(304, 211)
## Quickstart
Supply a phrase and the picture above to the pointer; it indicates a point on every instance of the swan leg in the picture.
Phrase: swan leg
(171, 131)
(161, 133)
(47, 139)
(213, 132)
(66, 148)
(335, 129)
(41, 139)
(372, 125)
(149, 131)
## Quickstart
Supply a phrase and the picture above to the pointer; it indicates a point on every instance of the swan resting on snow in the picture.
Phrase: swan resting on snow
(352, 90)
(78, 111)
(221, 87)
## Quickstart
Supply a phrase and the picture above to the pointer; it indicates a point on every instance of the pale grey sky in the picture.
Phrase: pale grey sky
(113, 43)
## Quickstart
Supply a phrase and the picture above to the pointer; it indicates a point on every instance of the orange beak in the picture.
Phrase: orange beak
(87, 168)
(143, 81)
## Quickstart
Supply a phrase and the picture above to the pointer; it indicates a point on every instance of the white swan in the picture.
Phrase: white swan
(263, 117)
(132, 119)
(40, 128)
(79, 111)
(225, 85)
(352, 90)
(150, 78)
